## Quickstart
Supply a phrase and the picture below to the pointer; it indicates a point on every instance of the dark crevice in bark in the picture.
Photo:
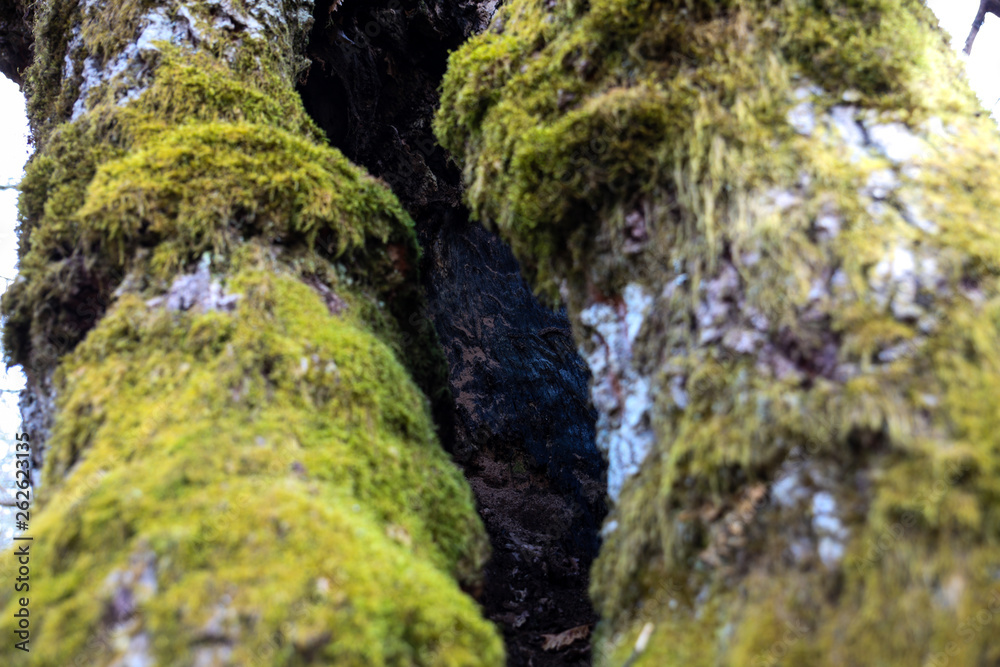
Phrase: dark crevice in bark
(523, 426)
(16, 40)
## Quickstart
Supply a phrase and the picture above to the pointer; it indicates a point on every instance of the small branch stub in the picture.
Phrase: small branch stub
(985, 7)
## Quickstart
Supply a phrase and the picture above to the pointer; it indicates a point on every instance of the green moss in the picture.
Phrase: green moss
(203, 126)
(561, 113)
(192, 87)
(298, 490)
(571, 122)
(49, 97)
(179, 194)
(264, 485)
(201, 161)
(108, 28)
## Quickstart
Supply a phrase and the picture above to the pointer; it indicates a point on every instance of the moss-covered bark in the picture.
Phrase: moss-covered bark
(241, 468)
(770, 222)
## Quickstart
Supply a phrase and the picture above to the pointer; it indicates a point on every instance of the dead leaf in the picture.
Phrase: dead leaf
(564, 639)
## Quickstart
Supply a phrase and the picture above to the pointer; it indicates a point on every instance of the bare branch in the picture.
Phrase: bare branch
(985, 7)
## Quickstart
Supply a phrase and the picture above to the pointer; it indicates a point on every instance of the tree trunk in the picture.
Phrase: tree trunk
(772, 226)
(225, 345)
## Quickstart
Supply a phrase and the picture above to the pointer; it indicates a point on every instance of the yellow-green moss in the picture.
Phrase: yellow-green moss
(49, 97)
(257, 486)
(572, 119)
(576, 112)
(184, 192)
(254, 456)
(204, 159)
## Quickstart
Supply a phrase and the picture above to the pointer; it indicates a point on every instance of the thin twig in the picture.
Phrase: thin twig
(985, 7)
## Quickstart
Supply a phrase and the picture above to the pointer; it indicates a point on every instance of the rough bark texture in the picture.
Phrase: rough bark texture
(15, 39)
(523, 426)
(519, 386)
(781, 260)
(240, 467)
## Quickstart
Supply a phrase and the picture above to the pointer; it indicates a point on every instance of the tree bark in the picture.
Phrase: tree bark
(772, 228)
(520, 388)
(523, 425)
(220, 323)
(15, 39)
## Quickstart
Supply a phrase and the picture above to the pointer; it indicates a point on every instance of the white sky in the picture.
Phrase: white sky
(955, 16)
(983, 67)
(13, 153)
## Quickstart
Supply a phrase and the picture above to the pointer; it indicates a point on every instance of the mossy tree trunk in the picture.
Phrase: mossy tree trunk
(775, 233)
(219, 321)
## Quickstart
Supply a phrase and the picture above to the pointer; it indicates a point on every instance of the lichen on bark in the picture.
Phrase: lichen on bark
(782, 268)
(241, 467)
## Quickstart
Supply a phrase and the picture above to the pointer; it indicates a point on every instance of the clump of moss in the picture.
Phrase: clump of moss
(652, 144)
(203, 160)
(299, 492)
(567, 114)
(183, 193)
